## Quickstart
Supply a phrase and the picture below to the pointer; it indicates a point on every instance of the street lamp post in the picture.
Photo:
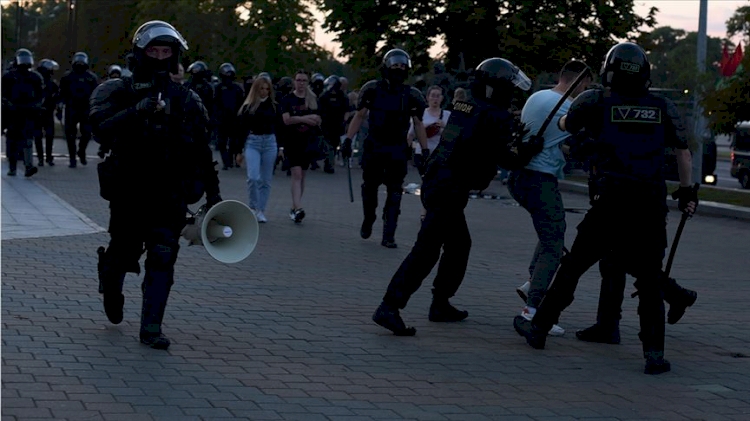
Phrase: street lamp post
(699, 127)
(72, 35)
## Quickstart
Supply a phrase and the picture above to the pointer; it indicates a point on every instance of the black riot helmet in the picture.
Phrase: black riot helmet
(46, 67)
(396, 66)
(332, 83)
(114, 72)
(494, 80)
(80, 61)
(626, 68)
(152, 34)
(227, 71)
(285, 86)
(197, 68)
(24, 59)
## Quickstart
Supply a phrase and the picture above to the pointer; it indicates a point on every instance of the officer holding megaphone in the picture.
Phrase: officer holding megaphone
(160, 162)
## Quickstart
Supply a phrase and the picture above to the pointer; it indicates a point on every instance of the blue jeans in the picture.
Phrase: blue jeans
(539, 194)
(260, 155)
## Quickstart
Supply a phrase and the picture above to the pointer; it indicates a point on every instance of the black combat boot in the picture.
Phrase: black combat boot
(679, 299)
(600, 333)
(110, 286)
(535, 337)
(441, 310)
(389, 317)
(655, 362)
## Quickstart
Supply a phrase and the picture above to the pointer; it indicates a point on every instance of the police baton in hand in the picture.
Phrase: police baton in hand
(678, 234)
(349, 175)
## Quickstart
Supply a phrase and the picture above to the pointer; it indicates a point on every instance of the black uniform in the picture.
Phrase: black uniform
(333, 104)
(75, 90)
(160, 163)
(631, 134)
(228, 100)
(451, 171)
(46, 126)
(385, 150)
(22, 97)
(201, 85)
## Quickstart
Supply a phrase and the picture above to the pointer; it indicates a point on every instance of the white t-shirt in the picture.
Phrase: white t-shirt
(427, 119)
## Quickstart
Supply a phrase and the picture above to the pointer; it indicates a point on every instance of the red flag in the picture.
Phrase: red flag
(724, 61)
(734, 61)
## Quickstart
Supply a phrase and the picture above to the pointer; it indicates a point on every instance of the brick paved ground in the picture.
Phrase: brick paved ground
(287, 335)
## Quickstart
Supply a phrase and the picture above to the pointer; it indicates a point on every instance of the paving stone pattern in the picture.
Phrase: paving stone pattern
(286, 334)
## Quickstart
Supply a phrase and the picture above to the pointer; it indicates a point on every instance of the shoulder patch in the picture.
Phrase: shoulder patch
(463, 107)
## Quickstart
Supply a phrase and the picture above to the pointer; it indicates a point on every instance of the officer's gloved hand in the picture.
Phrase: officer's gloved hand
(212, 200)
(146, 106)
(346, 148)
(58, 113)
(421, 162)
(685, 195)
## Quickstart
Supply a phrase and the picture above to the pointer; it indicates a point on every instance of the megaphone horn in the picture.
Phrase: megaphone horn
(228, 231)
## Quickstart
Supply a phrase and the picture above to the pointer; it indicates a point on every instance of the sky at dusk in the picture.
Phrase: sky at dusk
(682, 14)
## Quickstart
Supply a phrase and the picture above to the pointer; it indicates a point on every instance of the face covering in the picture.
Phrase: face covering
(397, 76)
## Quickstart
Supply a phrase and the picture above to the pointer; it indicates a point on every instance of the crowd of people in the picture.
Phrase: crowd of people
(618, 127)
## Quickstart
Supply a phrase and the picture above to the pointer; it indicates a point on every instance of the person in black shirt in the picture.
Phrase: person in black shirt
(300, 115)
(256, 145)
(228, 97)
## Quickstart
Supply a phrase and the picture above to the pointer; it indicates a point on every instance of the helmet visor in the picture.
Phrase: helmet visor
(521, 81)
(160, 33)
(25, 60)
(398, 59)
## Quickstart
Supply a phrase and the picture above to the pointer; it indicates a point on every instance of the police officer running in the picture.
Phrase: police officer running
(23, 96)
(46, 125)
(630, 129)
(75, 90)
(391, 104)
(454, 168)
(228, 100)
(160, 163)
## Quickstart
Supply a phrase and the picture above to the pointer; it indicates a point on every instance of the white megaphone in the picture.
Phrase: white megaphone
(228, 231)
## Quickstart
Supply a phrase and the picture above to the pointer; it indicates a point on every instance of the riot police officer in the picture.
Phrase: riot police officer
(23, 96)
(149, 192)
(391, 103)
(200, 82)
(317, 84)
(228, 100)
(454, 168)
(284, 87)
(46, 124)
(333, 105)
(630, 128)
(75, 89)
(114, 72)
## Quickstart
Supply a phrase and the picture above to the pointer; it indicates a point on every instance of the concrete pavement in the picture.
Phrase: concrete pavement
(287, 335)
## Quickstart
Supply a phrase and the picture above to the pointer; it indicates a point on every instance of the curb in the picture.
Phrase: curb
(714, 209)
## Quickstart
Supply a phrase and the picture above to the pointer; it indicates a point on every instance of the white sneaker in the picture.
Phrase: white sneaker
(523, 291)
(555, 331)
(260, 217)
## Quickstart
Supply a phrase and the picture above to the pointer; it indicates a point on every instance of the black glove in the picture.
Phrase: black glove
(685, 195)
(346, 148)
(58, 114)
(146, 105)
(212, 200)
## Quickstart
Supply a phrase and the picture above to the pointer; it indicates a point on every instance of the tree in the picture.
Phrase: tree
(672, 54)
(727, 103)
(538, 35)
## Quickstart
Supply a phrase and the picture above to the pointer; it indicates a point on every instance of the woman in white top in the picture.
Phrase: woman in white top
(435, 118)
